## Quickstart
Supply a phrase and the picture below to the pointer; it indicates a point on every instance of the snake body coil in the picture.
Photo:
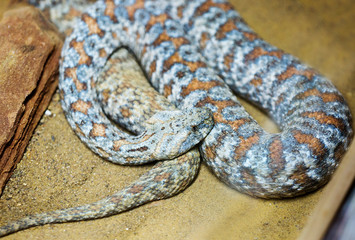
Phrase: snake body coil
(314, 119)
(168, 37)
(196, 53)
(164, 180)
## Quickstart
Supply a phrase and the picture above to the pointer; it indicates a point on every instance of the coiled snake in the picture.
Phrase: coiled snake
(196, 53)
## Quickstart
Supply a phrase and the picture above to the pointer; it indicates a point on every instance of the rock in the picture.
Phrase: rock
(29, 58)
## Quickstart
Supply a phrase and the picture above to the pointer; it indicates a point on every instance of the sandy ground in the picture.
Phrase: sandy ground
(58, 171)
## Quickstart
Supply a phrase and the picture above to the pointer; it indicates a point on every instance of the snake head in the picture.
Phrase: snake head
(179, 131)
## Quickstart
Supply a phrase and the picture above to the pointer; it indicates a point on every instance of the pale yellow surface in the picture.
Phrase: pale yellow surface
(58, 171)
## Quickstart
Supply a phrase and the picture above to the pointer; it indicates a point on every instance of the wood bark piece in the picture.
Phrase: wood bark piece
(29, 57)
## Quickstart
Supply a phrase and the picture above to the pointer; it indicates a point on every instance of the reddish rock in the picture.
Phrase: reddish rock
(29, 57)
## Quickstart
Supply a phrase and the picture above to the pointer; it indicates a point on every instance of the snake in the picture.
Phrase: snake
(164, 180)
(200, 54)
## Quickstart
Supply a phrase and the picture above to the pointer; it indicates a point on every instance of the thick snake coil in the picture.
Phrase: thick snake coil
(165, 179)
(194, 52)
(168, 37)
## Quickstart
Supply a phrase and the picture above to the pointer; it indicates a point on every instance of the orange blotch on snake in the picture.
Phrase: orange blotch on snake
(227, 27)
(79, 47)
(98, 130)
(71, 73)
(258, 52)
(139, 4)
(195, 84)
(314, 144)
(291, 70)
(245, 145)
(110, 10)
(176, 58)
(92, 25)
(81, 106)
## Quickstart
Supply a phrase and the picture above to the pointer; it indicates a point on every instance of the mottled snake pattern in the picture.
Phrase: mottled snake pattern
(165, 179)
(196, 53)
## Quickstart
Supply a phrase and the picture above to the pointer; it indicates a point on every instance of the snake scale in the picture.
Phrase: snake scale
(196, 53)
